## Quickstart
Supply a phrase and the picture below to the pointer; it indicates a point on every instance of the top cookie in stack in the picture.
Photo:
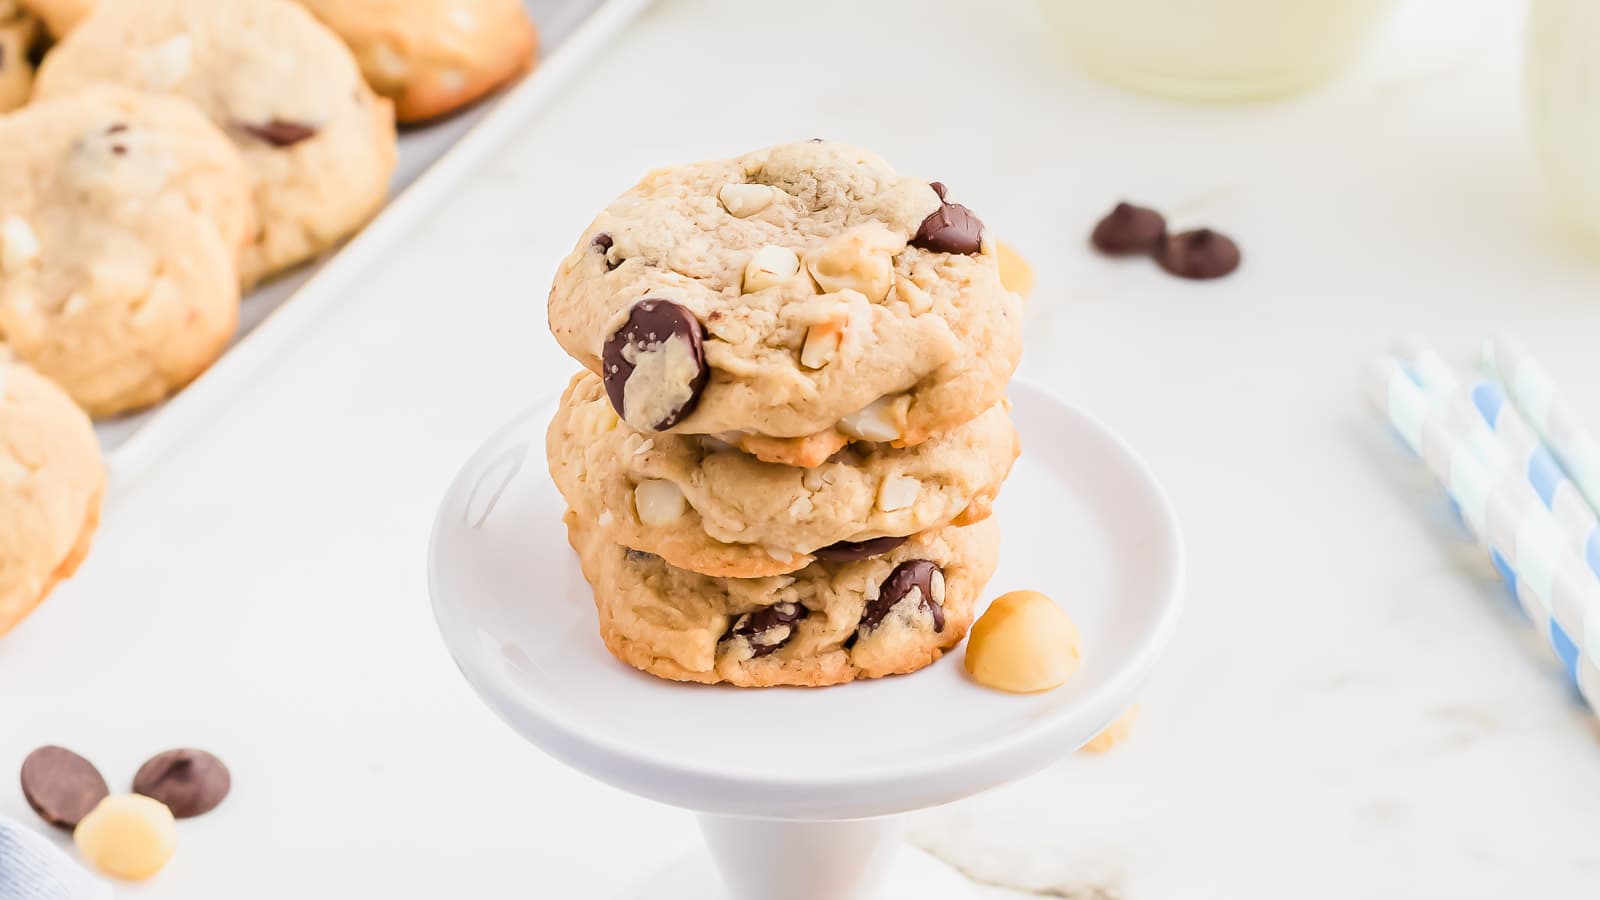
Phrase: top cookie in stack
(799, 361)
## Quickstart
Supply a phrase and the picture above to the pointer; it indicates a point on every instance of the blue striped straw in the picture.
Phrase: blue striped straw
(1520, 444)
(1553, 586)
(1548, 411)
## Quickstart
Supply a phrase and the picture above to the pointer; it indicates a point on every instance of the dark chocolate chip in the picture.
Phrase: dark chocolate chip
(1199, 254)
(279, 133)
(603, 243)
(117, 128)
(189, 782)
(61, 786)
(119, 149)
(760, 628)
(639, 556)
(1129, 229)
(952, 228)
(850, 551)
(920, 575)
(653, 322)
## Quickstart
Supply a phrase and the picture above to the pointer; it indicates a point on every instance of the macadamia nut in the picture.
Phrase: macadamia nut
(1023, 643)
(128, 836)
(1115, 733)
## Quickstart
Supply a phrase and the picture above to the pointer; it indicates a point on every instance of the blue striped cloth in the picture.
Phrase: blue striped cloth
(32, 867)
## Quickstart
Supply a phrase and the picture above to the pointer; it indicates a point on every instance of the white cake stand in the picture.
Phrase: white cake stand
(798, 789)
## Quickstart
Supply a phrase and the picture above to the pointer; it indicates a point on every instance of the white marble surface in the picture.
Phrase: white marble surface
(1349, 709)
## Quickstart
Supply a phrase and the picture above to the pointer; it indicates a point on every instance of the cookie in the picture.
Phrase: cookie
(790, 301)
(60, 16)
(706, 507)
(19, 30)
(433, 56)
(319, 144)
(122, 216)
(51, 481)
(828, 623)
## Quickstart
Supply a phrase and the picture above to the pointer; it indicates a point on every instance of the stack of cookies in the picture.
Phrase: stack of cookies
(781, 461)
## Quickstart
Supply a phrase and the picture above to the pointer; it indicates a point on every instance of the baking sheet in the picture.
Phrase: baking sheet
(431, 158)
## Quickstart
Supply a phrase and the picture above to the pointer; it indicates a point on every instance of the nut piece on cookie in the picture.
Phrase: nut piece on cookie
(318, 143)
(122, 217)
(432, 57)
(51, 482)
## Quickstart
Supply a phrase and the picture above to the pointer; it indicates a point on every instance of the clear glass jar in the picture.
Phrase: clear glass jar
(1215, 49)
(1563, 97)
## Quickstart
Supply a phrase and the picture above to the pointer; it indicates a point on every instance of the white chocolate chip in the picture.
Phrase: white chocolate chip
(777, 634)
(801, 508)
(860, 259)
(167, 63)
(813, 480)
(874, 422)
(822, 342)
(778, 553)
(658, 502)
(605, 518)
(384, 60)
(769, 267)
(898, 492)
(744, 200)
(645, 447)
(18, 244)
(661, 382)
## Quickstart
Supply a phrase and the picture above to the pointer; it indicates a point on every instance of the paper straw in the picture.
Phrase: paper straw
(1553, 586)
(1548, 411)
(1516, 446)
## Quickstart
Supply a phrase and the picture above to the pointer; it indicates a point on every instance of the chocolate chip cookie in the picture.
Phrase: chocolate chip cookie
(318, 142)
(828, 623)
(122, 218)
(703, 505)
(51, 481)
(790, 301)
(432, 56)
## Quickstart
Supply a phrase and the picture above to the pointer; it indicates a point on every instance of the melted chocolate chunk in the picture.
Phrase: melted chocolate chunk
(914, 574)
(651, 324)
(769, 628)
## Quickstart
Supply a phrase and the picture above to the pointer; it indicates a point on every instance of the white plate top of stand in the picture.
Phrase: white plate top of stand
(1081, 520)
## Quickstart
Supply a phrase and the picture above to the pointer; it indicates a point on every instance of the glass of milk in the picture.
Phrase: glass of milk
(1215, 49)
(1563, 98)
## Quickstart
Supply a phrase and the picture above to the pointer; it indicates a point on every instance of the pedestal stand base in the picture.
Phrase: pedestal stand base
(911, 874)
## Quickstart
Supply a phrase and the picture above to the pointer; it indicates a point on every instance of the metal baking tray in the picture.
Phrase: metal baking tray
(432, 158)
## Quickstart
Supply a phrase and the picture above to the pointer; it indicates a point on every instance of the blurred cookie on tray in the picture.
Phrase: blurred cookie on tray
(318, 143)
(432, 57)
(122, 217)
(19, 31)
(51, 483)
(60, 16)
